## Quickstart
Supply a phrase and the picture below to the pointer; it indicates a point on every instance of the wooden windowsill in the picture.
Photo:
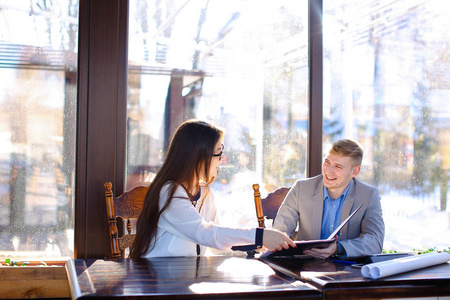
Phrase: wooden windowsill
(34, 281)
(52, 263)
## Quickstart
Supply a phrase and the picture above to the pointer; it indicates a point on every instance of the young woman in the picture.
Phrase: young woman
(179, 211)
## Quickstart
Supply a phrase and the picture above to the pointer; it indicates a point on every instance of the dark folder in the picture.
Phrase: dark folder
(306, 245)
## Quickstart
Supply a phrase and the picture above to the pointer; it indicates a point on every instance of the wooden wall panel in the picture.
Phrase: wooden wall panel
(102, 119)
(315, 88)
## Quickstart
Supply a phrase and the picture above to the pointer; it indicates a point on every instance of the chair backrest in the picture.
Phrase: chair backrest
(125, 208)
(267, 208)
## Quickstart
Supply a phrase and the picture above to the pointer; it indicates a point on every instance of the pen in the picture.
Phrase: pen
(345, 262)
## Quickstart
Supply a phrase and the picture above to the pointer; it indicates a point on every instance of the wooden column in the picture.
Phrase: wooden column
(315, 88)
(101, 127)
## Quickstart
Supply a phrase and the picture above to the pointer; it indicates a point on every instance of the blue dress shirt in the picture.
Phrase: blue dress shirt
(332, 210)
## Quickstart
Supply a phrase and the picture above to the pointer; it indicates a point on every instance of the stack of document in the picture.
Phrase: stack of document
(405, 264)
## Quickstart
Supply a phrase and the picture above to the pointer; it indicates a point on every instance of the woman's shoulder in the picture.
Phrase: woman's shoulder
(166, 189)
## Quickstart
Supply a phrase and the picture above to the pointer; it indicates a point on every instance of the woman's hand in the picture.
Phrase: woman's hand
(274, 239)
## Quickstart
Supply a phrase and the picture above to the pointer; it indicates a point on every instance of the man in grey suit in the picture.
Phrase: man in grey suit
(319, 204)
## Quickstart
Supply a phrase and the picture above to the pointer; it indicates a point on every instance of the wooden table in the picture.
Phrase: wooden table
(341, 281)
(215, 277)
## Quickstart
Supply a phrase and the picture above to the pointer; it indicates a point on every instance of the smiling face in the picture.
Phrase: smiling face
(338, 171)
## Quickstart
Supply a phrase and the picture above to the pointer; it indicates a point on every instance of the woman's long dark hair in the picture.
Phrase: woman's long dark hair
(188, 160)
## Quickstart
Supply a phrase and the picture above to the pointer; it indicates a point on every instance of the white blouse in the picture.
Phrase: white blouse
(182, 226)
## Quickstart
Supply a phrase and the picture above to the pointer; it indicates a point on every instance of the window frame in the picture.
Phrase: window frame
(101, 116)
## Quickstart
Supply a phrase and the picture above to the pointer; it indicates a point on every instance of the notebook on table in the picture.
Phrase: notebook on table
(306, 245)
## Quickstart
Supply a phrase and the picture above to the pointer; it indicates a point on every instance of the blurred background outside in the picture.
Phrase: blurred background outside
(243, 66)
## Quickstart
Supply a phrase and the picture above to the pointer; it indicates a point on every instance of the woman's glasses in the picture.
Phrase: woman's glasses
(220, 154)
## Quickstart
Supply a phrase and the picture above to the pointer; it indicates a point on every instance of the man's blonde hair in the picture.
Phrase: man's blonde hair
(349, 148)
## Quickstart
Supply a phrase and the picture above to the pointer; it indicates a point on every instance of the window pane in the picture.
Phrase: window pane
(241, 65)
(386, 84)
(37, 128)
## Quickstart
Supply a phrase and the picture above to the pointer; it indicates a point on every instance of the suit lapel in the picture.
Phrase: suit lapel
(318, 210)
(348, 204)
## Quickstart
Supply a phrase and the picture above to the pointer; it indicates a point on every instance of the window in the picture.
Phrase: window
(241, 65)
(386, 85)
(38, 45)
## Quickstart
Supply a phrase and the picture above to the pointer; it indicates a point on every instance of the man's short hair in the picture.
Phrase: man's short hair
(350, 148)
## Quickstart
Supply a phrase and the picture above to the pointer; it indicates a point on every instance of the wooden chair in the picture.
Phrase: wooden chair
(125, 208)
(267, 208)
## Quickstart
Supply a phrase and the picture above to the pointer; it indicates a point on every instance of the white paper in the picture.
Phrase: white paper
(404, 264)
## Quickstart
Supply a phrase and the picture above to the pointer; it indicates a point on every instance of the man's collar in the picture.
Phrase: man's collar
(325, 192)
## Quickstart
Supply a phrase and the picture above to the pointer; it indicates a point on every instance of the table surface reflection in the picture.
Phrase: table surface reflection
(341, 281)
(217, 277)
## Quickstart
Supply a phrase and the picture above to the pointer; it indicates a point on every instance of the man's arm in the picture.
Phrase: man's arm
(371, 236)
(288, 215)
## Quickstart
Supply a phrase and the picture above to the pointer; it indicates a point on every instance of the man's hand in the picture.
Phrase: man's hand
(322, 252)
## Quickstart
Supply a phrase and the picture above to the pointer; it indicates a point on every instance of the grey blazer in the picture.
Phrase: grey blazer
(303, 205)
